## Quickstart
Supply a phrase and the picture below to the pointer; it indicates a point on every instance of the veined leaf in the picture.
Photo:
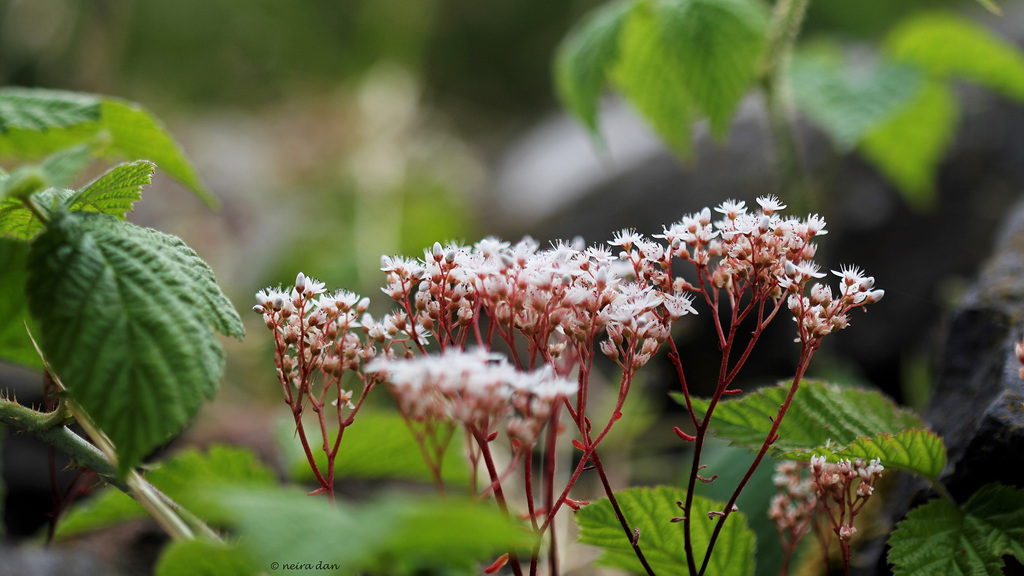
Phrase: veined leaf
(116, 191)
(135, 133)
(41, 110)
(908, 147)
(850, 106)
(716, 46)
(820, 413)
(652, 81)
(921, 452)
(942, 539)
(17, 221)
(947, 45)
(35, 123)
(828, 420)
(651, 510)
(584, 58)
(177, 477)
(125, 316)
(15, 345)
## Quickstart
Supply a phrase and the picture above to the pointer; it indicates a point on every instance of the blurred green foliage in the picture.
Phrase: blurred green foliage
(477, 58)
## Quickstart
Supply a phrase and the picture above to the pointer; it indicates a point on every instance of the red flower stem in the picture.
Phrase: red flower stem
(499, 495)
(674, 357)
(806, 352)
(550, 462)
(633, 540)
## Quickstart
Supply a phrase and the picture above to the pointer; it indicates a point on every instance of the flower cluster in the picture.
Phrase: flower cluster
(316, 332)
(843, 488)
(476, 388)
(793, 507)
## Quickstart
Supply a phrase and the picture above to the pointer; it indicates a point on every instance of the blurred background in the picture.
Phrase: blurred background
(334, 132)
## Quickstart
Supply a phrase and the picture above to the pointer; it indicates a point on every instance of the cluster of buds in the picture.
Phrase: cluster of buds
(793, 507)
(316, 333)
(476, 388)
(842, 489)
(820, 314)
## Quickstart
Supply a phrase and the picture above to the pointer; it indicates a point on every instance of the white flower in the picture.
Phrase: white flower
(732, 208)
(770, 204)
(626, 238)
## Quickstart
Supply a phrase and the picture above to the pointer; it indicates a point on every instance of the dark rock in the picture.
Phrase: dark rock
(978, 402)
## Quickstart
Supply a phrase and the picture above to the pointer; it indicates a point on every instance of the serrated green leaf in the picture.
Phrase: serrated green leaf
(395, 536)
(42, 122)
(125, 316)
(203, 558)
(652, 81)
(651, 510)
(15, 345)
(19, 222)
(820, 413)
(848, 106)
(177, 477)
(373, 433)
(41, 110)
(716, 45)
(584, 58)
(116, 191)
(909, 146)
(948, 45)
(135, 133)
(939, 538)
(921, 452)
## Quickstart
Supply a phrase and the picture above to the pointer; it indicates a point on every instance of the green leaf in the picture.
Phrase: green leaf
(947, 45)
(716, 46)
(819, 413)
(15, 345)
(652, 81)
(921, 452)
(42, 110)
(19, 222)
(125, 317)
(61, 169)
(178, 478)
(849, 105)
(35, 123)
(939, 538)
(431, 535)
(850, 422)
(584, 58)
(396, 536)
(116, 191)
(203, 558)
(135, 133)
(373, 433)
(909, 146)
(651, 511)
